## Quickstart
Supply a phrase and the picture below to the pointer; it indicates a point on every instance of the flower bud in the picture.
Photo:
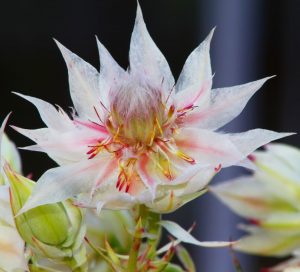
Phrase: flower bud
(54, 230)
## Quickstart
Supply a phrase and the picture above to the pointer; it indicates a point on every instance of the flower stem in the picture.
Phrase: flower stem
(146, 227)
(135, 248)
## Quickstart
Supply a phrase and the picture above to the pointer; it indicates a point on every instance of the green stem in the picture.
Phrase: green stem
(135, 248)
(146, 224)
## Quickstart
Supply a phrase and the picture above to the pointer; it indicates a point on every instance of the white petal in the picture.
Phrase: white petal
(198, 181)
(110, 73)
(11, 250)
(290, 156)
(6, 216)
(290, 265)
(268, 244)
(65, 147)
(35, 135)
(207, 147)
(225, 105)
(247, 142)
(83, 81)
(278, 177)
(109, 196)
(184, 236)
(3, 125)
(195, 80)
(247, 197)
(49, 114)
(58, 184)
(10, 154)
(282, 222)
(197, 68)
(194, 95)
(146, 59)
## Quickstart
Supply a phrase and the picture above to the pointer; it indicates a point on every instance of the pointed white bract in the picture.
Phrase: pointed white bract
(270, 199)
(146, 59)
(137, 138)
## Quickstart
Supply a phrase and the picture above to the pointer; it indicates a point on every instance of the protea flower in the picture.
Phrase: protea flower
(270, 199)
(135, 136)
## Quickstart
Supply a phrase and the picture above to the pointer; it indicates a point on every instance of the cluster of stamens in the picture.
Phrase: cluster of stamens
(154, 135)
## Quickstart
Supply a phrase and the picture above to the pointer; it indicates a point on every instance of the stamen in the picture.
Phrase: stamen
(104, 107)
(171, 201)
(172, 89)
(152, 135)
(171, 111)
(110, 126)
(158, 126)
(218, 168)
(185, 157)
(127, 171)
(97, 114)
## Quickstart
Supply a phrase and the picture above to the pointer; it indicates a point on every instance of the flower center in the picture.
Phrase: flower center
(141, 127)
(137, 115)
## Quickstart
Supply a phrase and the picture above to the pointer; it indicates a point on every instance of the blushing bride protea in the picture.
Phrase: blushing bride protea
(137, 137)
(270, 199)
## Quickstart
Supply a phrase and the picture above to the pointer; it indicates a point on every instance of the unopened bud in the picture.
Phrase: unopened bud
(52, 230)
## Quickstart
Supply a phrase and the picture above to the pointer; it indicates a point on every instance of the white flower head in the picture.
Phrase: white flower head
(270, 199)
(137, 137)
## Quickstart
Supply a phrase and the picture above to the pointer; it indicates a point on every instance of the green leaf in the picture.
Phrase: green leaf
(112, 255)
(185, 258)
(173, 268)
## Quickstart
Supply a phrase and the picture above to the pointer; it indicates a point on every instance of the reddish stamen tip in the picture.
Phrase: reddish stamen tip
(251, 157)
(91, 151)
(121, 186)
(29, 176)
(218, 168)
(118, 183)
(92, 156)
(264, 269)
(254, 221)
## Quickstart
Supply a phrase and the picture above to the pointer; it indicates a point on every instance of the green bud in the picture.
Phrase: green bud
(53, 231)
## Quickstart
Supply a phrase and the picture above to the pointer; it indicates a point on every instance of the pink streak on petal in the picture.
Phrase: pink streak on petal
(190, 144)
(109, 169)
(191, 100)
(143, 162)
(91, 125)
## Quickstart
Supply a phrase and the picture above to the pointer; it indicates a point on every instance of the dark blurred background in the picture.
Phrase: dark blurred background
(254, 39)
